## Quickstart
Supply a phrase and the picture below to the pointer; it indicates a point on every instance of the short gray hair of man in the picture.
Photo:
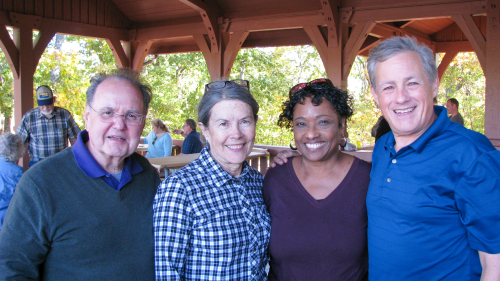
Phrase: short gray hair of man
(11, 147)
(127, 74)
(396, 45)
(231, 91)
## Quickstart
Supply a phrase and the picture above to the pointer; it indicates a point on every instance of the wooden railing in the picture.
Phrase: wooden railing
(261, 162)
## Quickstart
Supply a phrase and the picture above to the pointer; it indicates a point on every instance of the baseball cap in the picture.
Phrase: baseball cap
(44, 95)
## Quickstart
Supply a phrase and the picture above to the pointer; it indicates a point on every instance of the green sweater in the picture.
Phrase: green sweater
(63, 225)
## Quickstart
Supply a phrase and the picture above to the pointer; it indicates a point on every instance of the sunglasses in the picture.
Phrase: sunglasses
(301, 86)
(222, 84)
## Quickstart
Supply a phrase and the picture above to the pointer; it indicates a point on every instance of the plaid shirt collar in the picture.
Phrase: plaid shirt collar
(216, 172)
(54, 112)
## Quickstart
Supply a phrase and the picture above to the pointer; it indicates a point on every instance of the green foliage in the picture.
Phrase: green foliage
(465, 81)
(178, 82)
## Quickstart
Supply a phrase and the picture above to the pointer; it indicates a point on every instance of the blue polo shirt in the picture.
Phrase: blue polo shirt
(433, 204)
(91, 168)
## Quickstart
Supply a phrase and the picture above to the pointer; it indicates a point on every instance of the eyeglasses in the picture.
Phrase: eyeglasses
(130, 118)
(154, 140)
(222, 84)
(301, 86)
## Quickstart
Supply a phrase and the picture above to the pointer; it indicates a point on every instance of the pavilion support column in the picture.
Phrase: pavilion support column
(139, 51)
(492, 73)
(23, 56)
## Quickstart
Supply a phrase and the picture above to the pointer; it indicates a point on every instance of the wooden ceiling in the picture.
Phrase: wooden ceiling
(172, 24)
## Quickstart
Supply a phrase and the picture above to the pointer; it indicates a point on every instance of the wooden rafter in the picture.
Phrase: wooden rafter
(415, 12)
(209, 11)
(276, 22)
(331, 14)
(472, 32)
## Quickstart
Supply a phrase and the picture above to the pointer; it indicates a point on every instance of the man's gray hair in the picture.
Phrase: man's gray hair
(396, 45)
(231, 91)
(127, 74)
(11, 147)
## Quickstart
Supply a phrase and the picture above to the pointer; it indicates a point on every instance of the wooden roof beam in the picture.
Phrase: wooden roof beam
(382, 30)
(474, 35)
(68, 27)
(181, 30)
(289, 21)
(331, 14)
(209, 11)
(415, 11)
(461, 46)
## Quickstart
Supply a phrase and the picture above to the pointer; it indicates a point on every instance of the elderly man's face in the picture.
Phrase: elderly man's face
(404, 94)
(114, 140)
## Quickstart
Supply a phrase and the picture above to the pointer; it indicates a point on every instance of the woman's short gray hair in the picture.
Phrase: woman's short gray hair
(231, 91)
(396, 45)
(11, 147)
(127, 74)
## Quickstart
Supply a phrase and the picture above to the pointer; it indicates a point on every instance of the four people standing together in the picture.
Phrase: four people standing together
(428, 210)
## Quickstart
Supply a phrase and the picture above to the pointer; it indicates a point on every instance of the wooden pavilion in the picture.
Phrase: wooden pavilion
(340, 30)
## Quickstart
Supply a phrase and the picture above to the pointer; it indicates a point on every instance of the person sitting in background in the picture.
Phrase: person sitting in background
(159, 140)
(452, 107)
(192, 143)
(317, 199)
(11, 149)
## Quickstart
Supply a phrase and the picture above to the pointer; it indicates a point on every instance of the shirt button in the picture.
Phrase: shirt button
(394, 161)
(388, 179)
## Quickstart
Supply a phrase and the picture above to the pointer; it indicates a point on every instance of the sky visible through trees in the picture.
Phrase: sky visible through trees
(178, 82)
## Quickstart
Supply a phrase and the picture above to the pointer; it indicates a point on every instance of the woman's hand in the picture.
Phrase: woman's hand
(282, 157)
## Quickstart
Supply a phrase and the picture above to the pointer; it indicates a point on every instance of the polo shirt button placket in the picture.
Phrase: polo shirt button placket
(388, 179)
(394, 161)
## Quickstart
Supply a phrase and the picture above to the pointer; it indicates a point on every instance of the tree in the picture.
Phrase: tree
(464, 80)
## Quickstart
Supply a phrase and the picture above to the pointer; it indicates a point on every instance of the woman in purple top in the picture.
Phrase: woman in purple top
(317, 200)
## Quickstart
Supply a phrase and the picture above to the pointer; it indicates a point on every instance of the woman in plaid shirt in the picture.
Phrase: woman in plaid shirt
(210, 220)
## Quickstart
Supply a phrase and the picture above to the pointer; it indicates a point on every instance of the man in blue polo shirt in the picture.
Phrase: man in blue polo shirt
(434, 196)
(86, 213)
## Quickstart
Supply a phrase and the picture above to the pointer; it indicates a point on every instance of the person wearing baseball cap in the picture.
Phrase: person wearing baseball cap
(47, 128)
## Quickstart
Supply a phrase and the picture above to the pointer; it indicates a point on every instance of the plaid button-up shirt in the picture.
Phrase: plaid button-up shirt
(210, 225)
(47, 136)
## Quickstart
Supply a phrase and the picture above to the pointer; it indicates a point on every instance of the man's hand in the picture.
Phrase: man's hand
(180, 132)
(282, 157)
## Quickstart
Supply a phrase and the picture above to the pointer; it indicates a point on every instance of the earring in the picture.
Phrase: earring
(291, 146)
(345, 141)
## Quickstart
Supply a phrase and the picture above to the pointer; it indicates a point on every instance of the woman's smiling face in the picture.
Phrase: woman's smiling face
(316, 130)
(230, 133)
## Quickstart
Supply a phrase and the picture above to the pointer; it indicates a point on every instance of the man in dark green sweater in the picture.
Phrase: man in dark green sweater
(86, 212)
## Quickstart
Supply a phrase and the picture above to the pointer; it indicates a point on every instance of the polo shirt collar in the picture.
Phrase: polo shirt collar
(91, 168)
(438, 127)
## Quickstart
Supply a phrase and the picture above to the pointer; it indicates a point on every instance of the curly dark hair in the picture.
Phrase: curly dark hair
(341, 101)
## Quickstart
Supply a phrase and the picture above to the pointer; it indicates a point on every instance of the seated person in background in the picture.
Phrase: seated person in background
(452, 107)
(192, 143)
(159, 140)
(11, 149)
(317, 199)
